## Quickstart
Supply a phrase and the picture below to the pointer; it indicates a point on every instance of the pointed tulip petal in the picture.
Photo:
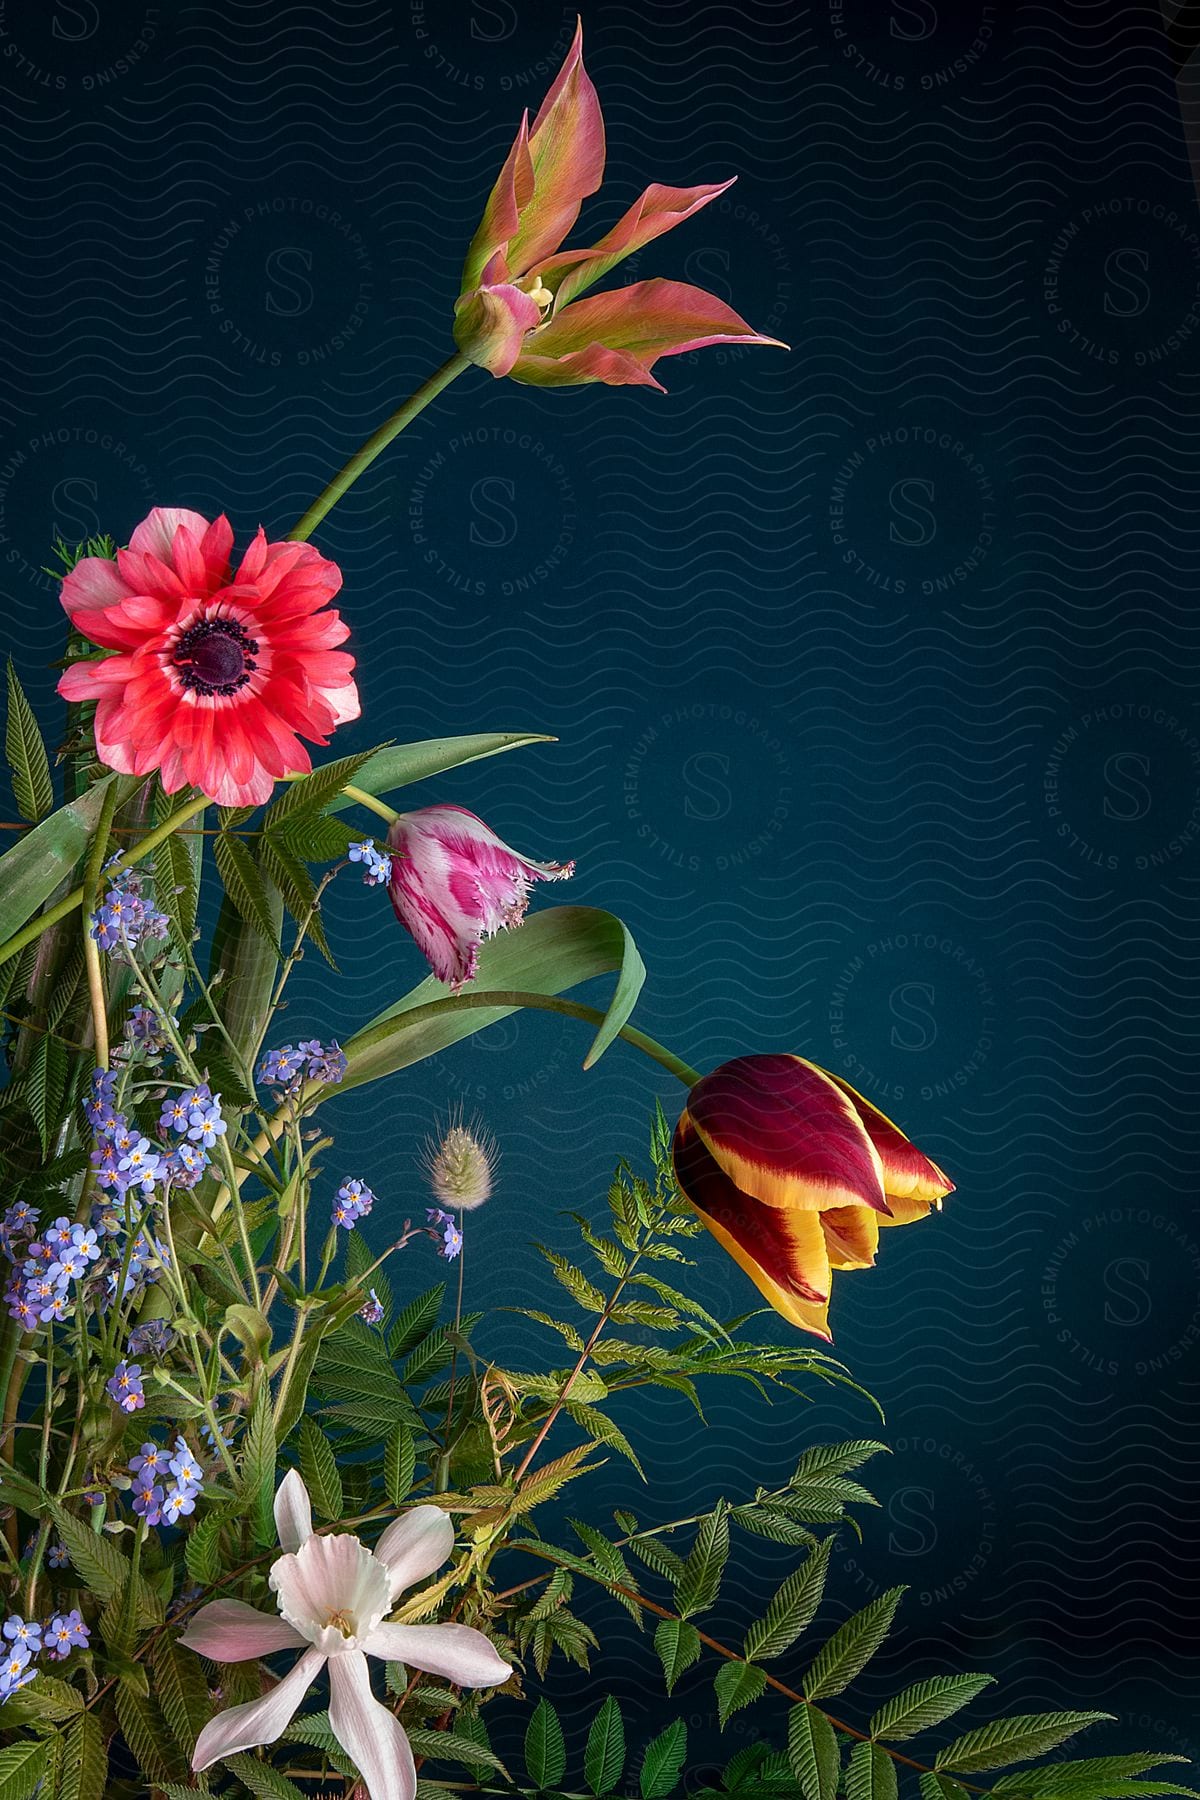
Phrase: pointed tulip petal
(455, 1652)
(566, 148)
(368, 1732)
(512, 192)
(258, 1721)
(230, 1631)
(645, 321)
(659, 209)
(783, 1251)
(908, 1175)
(293, 1512)
(414, 1545)
(781, 1131)
(490, 326)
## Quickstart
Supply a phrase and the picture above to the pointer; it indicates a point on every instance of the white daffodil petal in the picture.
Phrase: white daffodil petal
(293, 1512)
(414, 1545)
(456, 1652)
(259, 1721)
(230, 1631)
(370, 1735)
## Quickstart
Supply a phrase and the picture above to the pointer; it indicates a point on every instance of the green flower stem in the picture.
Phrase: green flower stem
(91, 949)
(378, 441)
(379, 807)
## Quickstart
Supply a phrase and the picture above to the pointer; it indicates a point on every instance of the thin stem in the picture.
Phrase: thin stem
(444, 1463)
(380, 807)
(91, 948)
(379, 440)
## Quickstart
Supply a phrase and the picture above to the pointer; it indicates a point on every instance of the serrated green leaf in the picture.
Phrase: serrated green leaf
(318, 1467)
(871, 1774)
(792, 1609)
(314, 792)
(852, 1646)
(298, 889)
(835, 1459)
(545, 1748)
(604, 1755)
(21, 1768)
(662, 1763)
(416, 1321)
(264, 1782)
(32, 787)
(678, 1646)
(451, 1746)
(202, 1550)
(45, 1085)
(581, 1290)
(940, 1787)
(737, 1684)
(243, 882)
(258, 1462)
(1013, 1740)
(181, 1691)
(924, 1704)
(602, 1430)
(399, 1462)
(702, 1571)
(812, 1752)
(1060, 1777)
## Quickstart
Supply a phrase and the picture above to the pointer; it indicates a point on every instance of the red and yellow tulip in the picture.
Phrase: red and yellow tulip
(520, 314)
(794, 1172)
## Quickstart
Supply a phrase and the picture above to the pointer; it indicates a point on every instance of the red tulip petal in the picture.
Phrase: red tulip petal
(783, 1253)
(783, 1132)
(658, 210)
(643, 322)
(566, 146)
(907, 1173)
(490, 326)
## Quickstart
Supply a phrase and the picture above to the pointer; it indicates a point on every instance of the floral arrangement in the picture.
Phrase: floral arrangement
(272, 1518)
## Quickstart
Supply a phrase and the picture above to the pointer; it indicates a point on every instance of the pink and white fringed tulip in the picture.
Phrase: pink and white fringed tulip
(334, 1595)
(454, 883)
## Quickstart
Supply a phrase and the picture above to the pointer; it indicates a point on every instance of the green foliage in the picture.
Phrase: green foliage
(792, 1609)
(662, 1763)
(812, 1753)
(21, 1768)
(28, 762)
(926, 1703)
(737, 1684)
(545, 1746)
(701, 1578)
(852, 1646)
(318, 1468)
(870, 1774)
(604, 1757)
(1013, 1740)
(678, 1646)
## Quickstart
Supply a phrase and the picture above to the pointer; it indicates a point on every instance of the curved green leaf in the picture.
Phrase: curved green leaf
(33, 789)
(400, 764)
(662, 1764)
(552, 951)
(604, 1755)
(33, 868)
(1013, 1740)
(545, 1749)
(924, 1704)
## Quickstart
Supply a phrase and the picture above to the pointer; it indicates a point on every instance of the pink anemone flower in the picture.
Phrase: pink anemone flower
(215, 671)
(454, 882)
(334, 1595)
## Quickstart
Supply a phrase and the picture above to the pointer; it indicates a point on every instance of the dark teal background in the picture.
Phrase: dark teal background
(873, 668)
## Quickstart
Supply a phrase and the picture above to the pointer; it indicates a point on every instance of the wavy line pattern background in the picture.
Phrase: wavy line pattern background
(874, 669)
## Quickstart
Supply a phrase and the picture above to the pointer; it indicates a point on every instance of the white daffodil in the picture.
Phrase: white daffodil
(333, 1596)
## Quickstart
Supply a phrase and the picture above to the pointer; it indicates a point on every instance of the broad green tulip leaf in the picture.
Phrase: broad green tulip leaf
(33, 868)
(551, 952)
(401, 764)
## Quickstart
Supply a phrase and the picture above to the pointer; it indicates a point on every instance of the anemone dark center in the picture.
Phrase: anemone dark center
(215, 656)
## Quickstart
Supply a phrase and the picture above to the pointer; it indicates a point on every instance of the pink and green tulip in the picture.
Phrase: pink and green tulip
(520, 311)
(794, 1172)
